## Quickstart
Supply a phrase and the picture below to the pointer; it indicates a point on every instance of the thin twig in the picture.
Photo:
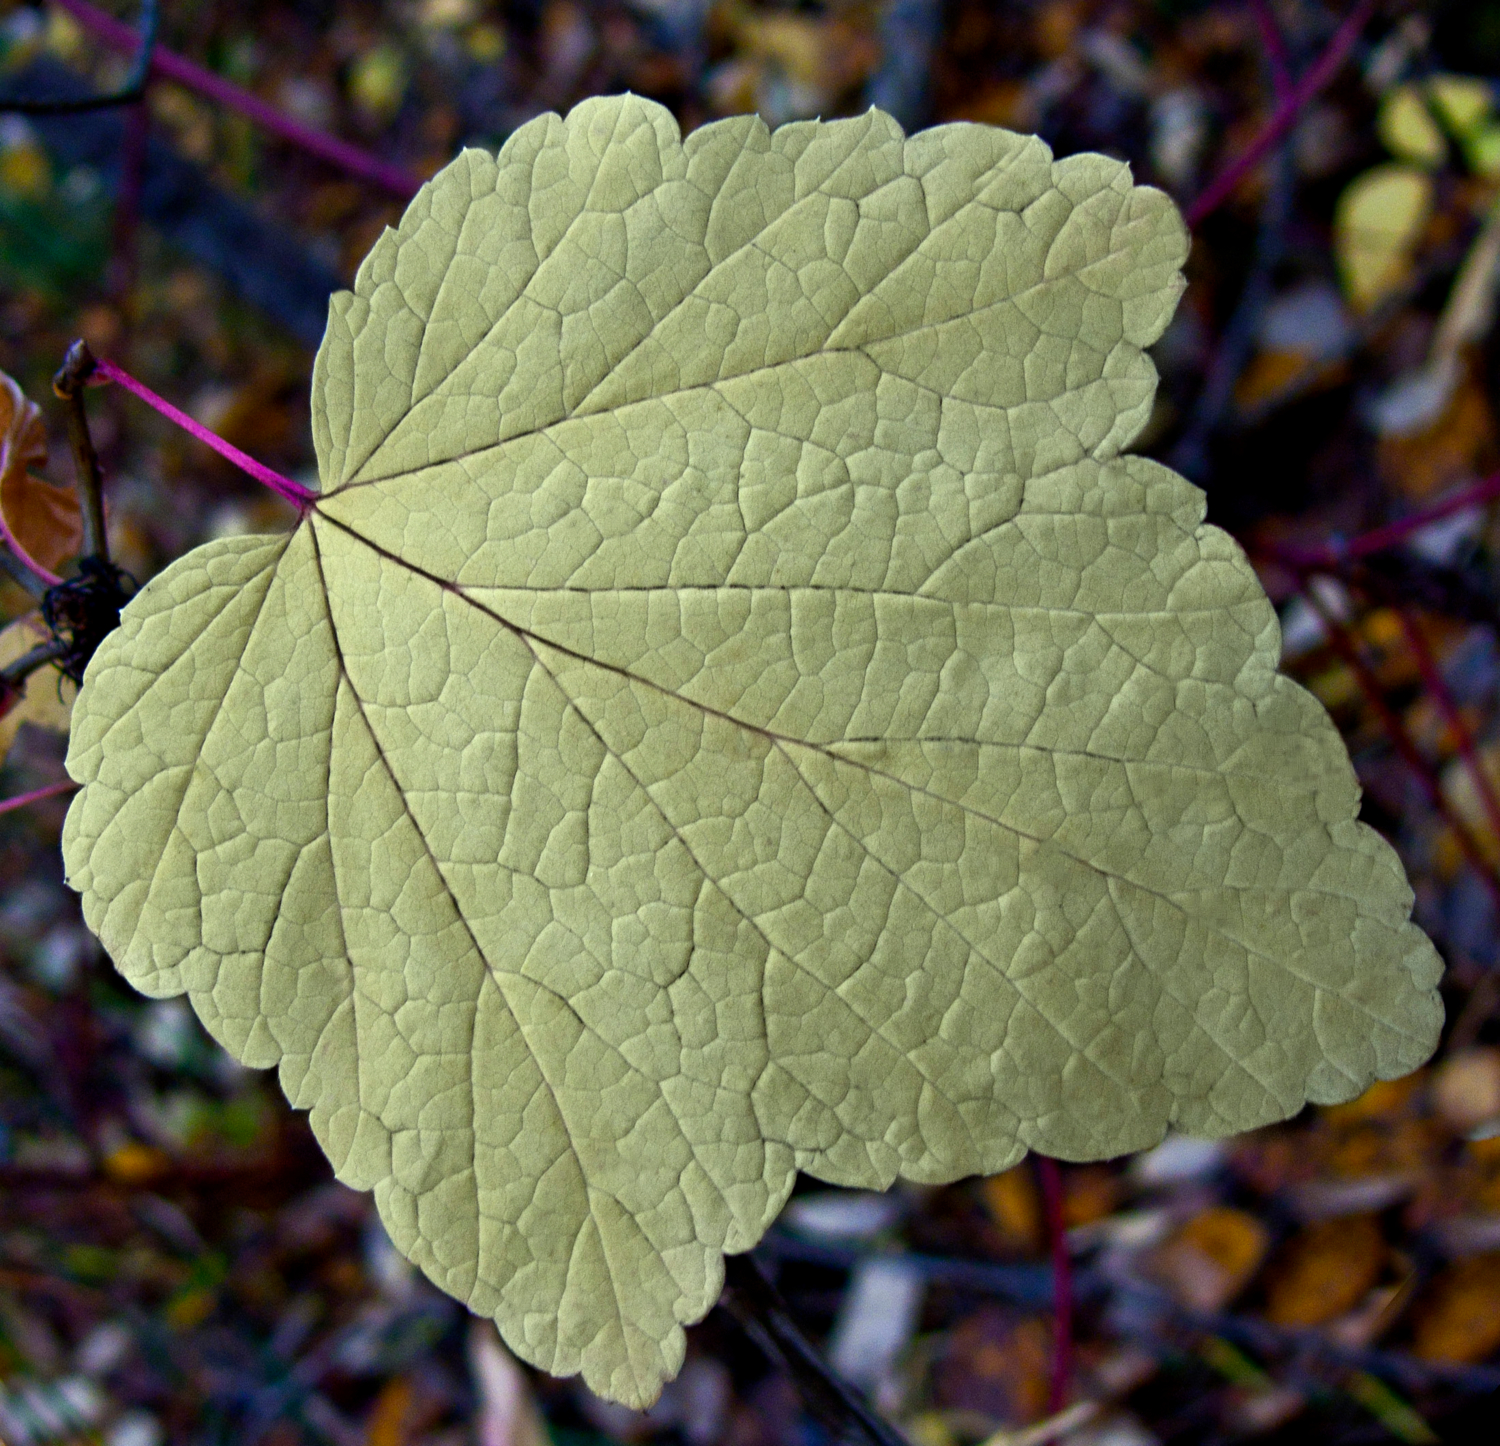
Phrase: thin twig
(16, 672)
(134, 88)
(1333, 556)
(1059, 1423)
(121, 271)
(78, 366)
(1285, 116)
(1343, 644)
(1191, 454)
(37, 795)
(1027, 1286)
(1278, 60)
(20, 574)
(294, 492)
(170, 66)
(753, 1301)
(1062, 1283)
(1437, 686)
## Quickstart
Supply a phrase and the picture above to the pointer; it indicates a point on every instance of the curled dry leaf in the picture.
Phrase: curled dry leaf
(42, 523)
(46, 697)
(734, 710)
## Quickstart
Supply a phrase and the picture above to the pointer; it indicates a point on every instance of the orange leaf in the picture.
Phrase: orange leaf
(1211, 1259)
(1460, 1318)
(42, 523)
(389, 1417)
(1325, 1271)
(1011, 1199)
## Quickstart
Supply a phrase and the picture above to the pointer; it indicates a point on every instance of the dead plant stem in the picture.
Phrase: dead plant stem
(78, 366)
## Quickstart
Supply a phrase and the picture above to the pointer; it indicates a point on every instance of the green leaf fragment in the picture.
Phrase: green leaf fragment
(733, 710)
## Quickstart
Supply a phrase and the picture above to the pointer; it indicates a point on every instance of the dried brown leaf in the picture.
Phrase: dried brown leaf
(42, 523)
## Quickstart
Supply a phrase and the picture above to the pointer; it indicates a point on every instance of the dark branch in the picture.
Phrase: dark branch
(78, 366)
(757, 1305)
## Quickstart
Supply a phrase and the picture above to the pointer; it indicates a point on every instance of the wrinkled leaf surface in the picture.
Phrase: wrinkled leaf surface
(734, 710)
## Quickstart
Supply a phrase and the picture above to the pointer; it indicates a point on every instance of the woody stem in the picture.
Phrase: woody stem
(757, 1305)
(23, 667)
(78, 366)
(20, 574)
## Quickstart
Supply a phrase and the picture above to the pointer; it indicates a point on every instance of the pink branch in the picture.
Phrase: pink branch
(1274, 42)
(1436, 684)
(1332, 556)
(1343, 643)
(299, 496)
(14, 543)
(1287, 113)
(37, 795)
(171, 66)
(1062, 1283)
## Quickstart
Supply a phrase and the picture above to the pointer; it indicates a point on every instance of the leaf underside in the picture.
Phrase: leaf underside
(731, 711)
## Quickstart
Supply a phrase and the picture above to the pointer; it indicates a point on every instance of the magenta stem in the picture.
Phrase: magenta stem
(1332, 556)
(299, 496)
(1344, 644)
(14, 543)
(1050, 1177)
(1447, 706)
(1287, 113)
(36, 795)
(170, 66)
(1271, 38)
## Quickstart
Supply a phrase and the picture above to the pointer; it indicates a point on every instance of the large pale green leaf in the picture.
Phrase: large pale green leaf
(733, 710)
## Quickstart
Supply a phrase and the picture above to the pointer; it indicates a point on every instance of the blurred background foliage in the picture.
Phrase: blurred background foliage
(176, 1264)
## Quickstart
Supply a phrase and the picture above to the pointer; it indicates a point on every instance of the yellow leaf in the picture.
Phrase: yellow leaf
(1011, 1198)
(1376, 226)
(24, 168)
(135, 1164)
(48, 697)
(733, 709)
(1462, 101)
(388, 1420)
(1212, 1257)
(1461, 792)
(1466, 1088)
(1408, 130)
(377, 81)
(1482, 151)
